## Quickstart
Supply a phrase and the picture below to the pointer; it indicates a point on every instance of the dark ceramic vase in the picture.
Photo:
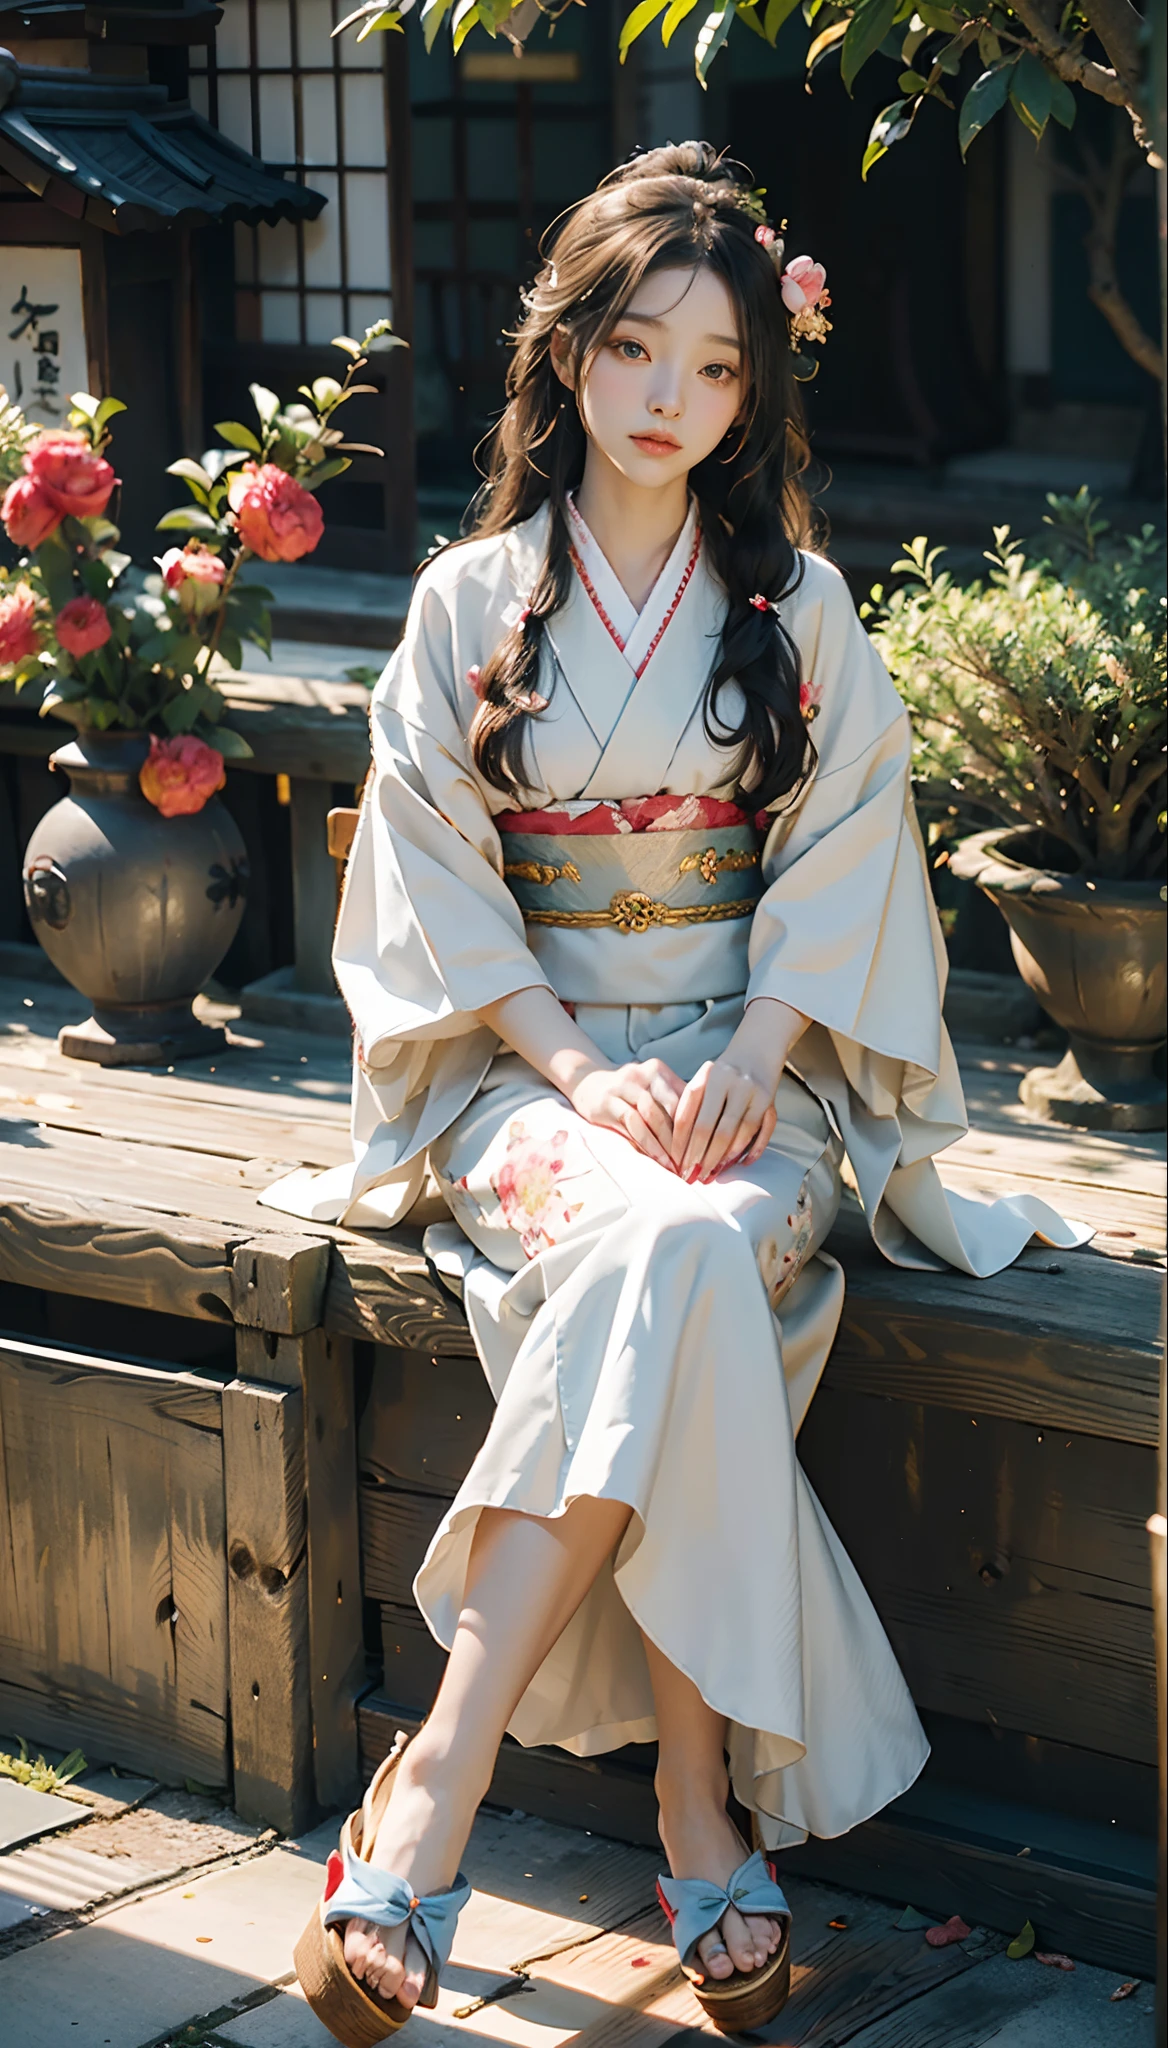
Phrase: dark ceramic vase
(1093, 952)
(136, 910)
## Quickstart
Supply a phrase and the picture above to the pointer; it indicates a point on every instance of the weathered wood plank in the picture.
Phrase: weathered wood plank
(1008, 1565)
(414, 1662)
(267, 1576)
(383, 1289)
(424, 1420)
(396, 1527)
(109, 1250)
(336, 1633)
(114, 1626)
(279, 1283)
(194, 1124)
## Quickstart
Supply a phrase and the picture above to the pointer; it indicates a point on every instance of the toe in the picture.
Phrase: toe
(413, 1982)
(357, 1946)
(740, 1941)
(718, 1963)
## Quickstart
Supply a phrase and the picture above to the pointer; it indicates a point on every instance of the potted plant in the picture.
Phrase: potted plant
(136, 881)
(1038, 694)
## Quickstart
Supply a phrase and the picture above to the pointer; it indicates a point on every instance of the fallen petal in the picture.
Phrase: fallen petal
(954, 1929)
(1124, 1990)
(1053, 1960)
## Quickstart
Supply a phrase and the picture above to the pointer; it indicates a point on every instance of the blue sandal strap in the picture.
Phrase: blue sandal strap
(698, 1904)
(367, 1893)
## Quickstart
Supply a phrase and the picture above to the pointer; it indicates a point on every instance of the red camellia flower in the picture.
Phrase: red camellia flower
(180, 775)
(82, 626)
(69, 474)
(18, 634)
(277, 518)
(194, 575)
(29, 516)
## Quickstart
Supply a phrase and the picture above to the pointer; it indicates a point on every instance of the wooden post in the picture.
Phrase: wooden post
(267, 1590)
(321, 1367)
(314, 887)
(278, 1284)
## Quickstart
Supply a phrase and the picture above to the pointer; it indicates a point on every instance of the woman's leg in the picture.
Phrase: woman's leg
(699, 1837)
(526, 1577)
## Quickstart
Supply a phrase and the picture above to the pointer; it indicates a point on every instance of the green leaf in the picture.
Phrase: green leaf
(865, 32)
(96, 578)
(777, 12)
(358, 14)
(266, 403)
(940, 17)
(466, 13)
(232, 745)
(824, 42)
(1021, 1944)
(324, 470)
(325, 391)
(678, 9)
(910, 1917)
(191, 472)
(1030, 94)
(181, 712)
(106, 411)
(711, 36)
(889, 127)
(231, 648)
(911, 81)
(385, 20)
(985, 98)
(238, 436)
(86, 403)
(157, 647)
(433, 15)
(1063, 104)
(747, 12)
(187, 519)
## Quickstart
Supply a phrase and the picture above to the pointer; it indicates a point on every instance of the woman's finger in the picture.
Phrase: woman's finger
(743, 1141)
(705, 1123)
(686, 1113)
(765, 1133)
(721, 1139)
(665, 1087)
(637, 1130)
(655, 1118)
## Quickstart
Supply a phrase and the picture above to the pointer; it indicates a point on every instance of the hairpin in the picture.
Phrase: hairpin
(803, 285)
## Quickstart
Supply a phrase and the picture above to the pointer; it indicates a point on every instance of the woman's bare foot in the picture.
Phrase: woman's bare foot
(701, 1841)
(421, 1839)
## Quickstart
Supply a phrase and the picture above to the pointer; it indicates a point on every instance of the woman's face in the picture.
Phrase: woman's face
(669, 382)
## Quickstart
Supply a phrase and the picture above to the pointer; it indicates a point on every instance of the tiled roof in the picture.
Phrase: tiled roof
(135, 158)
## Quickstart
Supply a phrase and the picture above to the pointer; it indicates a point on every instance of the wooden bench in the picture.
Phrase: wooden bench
(228, 1439)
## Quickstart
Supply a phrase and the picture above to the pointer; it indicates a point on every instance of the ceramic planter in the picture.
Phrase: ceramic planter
(1093, 952)
(136, 910)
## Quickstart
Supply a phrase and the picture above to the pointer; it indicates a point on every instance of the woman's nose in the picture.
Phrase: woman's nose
(666, 402)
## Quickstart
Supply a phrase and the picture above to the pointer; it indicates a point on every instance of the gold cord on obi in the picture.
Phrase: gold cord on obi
(631, 910)
(710, 863)
(541, 871)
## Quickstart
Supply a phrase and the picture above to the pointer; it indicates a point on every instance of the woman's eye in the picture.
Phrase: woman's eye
(718, 373)
(632, 351)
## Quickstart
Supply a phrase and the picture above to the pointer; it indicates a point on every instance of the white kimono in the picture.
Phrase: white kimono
(648, 1341)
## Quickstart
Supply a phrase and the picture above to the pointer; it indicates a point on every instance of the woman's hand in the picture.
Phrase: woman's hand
(727, 1112)
(639, 1099)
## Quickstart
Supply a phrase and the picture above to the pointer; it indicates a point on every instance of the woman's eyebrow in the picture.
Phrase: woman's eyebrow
(657, 320)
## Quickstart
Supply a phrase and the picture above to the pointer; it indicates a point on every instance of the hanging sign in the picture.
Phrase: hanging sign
(43, 358)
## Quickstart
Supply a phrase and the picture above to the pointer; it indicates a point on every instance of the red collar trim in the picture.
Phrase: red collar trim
(606, 622)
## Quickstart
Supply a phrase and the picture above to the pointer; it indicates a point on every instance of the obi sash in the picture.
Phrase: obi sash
(648, 901)
(648, 862)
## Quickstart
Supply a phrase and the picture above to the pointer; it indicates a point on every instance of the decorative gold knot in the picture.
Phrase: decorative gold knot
(633, 911)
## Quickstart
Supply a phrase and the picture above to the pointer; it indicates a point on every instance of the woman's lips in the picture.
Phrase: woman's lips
(655, 444)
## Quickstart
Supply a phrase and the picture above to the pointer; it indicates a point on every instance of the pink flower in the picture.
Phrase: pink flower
(180, 775)
(82, 626)
(474, 676)
(18, 634)
(70, 475)
(765, 235)
(803, 283)
(527, 1185)
(29, 516)
(277, 518)
(810, 698)
(194, 575)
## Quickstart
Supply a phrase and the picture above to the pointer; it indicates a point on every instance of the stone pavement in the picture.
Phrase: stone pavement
(161, 1921)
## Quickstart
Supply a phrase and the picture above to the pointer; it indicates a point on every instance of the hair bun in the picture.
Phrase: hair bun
(697, 160)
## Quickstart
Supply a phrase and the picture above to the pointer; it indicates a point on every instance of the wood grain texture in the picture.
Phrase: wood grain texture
(336, 1637)
(383, 1289)
(396, 1527)
(279, 1282)
(424, 1420)
(414, 1662)
(1008, 1564)
(108, 1250)
(267, 1578)
(114, 1618)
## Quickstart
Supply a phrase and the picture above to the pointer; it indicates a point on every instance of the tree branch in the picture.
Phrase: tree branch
(1118, 26)
(1068, 59)
(1102, 187)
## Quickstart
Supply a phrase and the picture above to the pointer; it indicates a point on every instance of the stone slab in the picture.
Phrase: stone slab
(25, 1814)
(97, 1988)
(245, 1919)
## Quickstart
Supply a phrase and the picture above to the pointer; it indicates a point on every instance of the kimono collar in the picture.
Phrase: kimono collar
(635, 634)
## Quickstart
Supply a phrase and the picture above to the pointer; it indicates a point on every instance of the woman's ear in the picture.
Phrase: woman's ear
(561, 357)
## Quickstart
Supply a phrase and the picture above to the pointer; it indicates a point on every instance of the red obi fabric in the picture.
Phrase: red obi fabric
(634, 814)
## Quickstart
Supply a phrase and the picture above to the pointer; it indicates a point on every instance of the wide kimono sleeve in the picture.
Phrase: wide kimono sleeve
(429, 933)
(846, 932)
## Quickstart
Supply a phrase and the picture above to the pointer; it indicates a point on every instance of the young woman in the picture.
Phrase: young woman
(638, 941)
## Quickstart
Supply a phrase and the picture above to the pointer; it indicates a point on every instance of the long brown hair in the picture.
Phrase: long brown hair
(671, 208)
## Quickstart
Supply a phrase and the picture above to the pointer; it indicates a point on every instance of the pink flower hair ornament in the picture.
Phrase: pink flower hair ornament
(803, 289)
